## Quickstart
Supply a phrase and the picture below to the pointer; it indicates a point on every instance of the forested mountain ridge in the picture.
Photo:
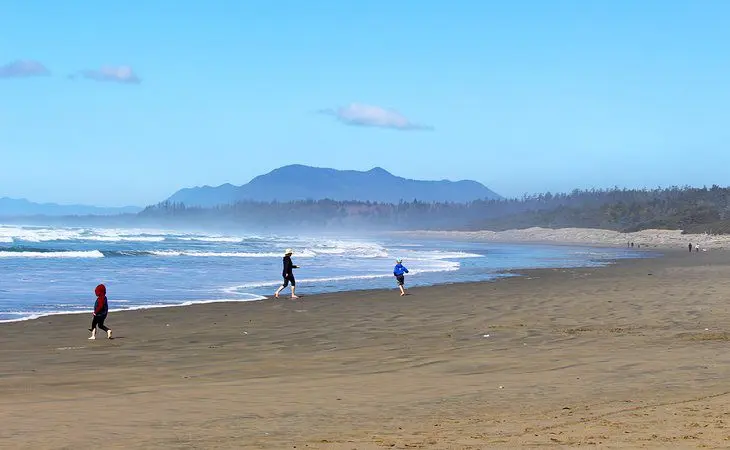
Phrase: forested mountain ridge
(687, 208)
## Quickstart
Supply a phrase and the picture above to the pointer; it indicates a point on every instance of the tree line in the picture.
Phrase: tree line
(687, 208)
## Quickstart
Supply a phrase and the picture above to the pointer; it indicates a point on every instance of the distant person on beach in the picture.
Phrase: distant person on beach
(288, 274)
(399, 272)
(101, 309)
(690, 247)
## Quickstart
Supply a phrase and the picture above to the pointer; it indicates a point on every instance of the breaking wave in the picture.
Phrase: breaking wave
(445, 266)
(32, 315)
(52, 254)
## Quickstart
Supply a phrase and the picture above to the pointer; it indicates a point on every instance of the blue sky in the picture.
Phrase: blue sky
(124, 102)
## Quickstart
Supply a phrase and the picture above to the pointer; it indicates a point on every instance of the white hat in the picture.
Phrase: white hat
(399, 260)
(288, 251)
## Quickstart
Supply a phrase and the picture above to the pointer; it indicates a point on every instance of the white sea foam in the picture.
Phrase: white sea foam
(202, 254)
(123, 238)
(447, 266)
(32, 315)
(77, 254)
(41, 234)
(237, 288)
(314, 249)
(303, 247)
(346, 248)
(9, 233)
(438, 254)
(36, 234)
(210, 239)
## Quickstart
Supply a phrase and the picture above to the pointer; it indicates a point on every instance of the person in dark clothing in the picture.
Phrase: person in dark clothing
(399, 272)
(101, 309)
(288, 274)
(690, 247)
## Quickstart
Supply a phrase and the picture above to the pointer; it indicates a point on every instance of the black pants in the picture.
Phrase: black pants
(289, 279)
(98, 321)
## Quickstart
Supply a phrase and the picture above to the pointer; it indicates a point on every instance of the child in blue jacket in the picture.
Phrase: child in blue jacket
(399, 271)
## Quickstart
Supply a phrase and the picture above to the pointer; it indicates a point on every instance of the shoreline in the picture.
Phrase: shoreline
(628, 355)
(499, 275)
(132, 308)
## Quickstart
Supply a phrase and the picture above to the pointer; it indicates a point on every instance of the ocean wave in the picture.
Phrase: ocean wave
(359, 252)
(51, 234)
(203, 254)
(48, 253)
(208, 239)
(304, 247)
(446, 267)
(40, 234)
(32, 315)
(235, 289)
(439, 254)
(123, 238)
(347, 248)
(52, 254)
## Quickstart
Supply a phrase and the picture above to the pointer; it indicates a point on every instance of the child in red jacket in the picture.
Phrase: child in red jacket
(101, 309)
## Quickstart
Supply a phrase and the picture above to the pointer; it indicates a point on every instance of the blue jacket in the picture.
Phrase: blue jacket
(399, 270)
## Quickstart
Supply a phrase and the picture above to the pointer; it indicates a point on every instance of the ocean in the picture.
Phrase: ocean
(53, 270)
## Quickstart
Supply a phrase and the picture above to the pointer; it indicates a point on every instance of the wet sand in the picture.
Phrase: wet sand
(630, 356)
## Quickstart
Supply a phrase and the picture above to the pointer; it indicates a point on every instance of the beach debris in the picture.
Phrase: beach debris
(486, 336)
(501, 387)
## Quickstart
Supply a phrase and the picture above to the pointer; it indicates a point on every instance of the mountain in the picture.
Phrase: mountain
(297, 182)
(10, 207)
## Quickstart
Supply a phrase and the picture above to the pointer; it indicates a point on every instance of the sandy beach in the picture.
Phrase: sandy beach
(673, 239)
(629, 356)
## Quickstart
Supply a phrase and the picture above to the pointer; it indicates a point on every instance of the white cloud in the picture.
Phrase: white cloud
(22, 69)
(119, 74)
(373, 116)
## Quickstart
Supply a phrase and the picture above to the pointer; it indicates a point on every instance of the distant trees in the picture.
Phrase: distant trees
(687, 208)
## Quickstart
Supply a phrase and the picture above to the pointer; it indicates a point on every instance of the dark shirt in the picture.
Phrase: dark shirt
(101, 306)
(288, 266)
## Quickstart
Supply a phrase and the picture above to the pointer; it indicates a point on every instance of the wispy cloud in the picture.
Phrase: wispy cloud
(373, 116)
(117, 74)
(23, 68)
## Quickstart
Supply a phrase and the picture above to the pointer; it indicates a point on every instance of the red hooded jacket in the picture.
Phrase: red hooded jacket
(100, 306)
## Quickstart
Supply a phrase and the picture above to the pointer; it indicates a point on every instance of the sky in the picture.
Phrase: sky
(123, 102)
